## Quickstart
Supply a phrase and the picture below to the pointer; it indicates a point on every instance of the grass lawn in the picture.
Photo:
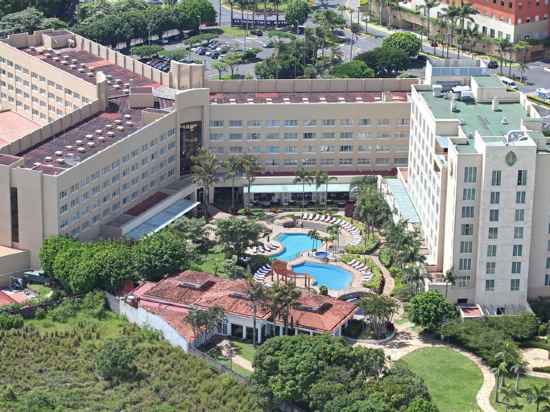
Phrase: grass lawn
(41, 291)
(212, 262)
(246, 350)
(452, 379)
(233, 32)
(216, 354)
(524, 383)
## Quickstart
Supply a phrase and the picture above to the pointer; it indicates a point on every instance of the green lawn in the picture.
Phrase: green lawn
(246, 350)
(216, 354)
(524, 383)
(233, 32)
(41, 291)
(212, 262)
(452, 379)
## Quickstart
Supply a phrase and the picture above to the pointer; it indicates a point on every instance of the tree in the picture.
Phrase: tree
(51, 247)
(202, 8)
(428, 6)
(251, 168)
(28, 20)
(146, 50)
(538, 394)
(297, 12)
(421, 405)
(354, 69)
(232, 60)
(303, 177)
(371, 209)
(162, 253)
(323, 290)
(451, 15)
(522, 48)
(379, 310)
(449, 279)
(503, 47)
(334, 232)
(220, 66)
(203, 322)
(116, 360)
(192, 231)
(257, 295)
(465, 13)
(385, 61)
(236, 235)
(286, 295)
(355, 30)
(234, 167)
(430, 309)
(204, 169)
(408, 42)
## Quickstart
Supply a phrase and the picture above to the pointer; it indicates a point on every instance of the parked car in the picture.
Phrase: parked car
(257, 32)
(201, 51)
(492, 64)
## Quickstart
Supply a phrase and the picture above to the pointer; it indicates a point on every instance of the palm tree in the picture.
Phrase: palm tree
(449, 278)
(510, 398)
(538, 394)
(251, 168)
(522, 47)
(234, 168)
(334, 232)
(451, 15)
(504, 46)
(355, 30)
(319, 178)
(428, 6)
(465, 13)
(204, 168)
(287, 294)
(303, 177)
(315, 236)
(470, 35)
(257, 295)
(517, 368)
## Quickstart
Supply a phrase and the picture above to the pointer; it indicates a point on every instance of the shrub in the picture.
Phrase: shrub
(430, 309)
(115, 361)
(64, 311)
(8, 321)
(408, 42)
(199, 38)
(94, 304)
(541, 308)
(323, 290)
(519, 327)
(543, 369)
(362, 248)
(385, 257)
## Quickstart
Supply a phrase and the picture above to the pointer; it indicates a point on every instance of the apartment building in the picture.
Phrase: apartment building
(96, 144)
(477, 166)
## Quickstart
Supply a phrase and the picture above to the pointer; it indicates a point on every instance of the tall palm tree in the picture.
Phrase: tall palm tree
(538, 394)
(287, 294)
(234, 168)
(451, 15)
(334, 232)
(303, 177)
(315, 236)
(428, 6)
(257, 295)
(503, 46)
(465, 13)
(522, 47)
(251, 169)
(204, 169)
(449, 278)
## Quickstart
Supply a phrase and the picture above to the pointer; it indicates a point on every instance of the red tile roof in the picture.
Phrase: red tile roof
(6, 300)
(202, 290)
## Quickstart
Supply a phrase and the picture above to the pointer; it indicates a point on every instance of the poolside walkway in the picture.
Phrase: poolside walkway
(389, 284)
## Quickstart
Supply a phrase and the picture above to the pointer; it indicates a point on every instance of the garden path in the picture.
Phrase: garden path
(389, 284)
(407, 340)
(242, 362)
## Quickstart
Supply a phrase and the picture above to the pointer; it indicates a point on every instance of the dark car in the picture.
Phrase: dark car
(257, 32)
(492, 64)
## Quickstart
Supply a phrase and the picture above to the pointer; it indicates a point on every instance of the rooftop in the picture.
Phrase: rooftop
(402, 200)
(13, 126)
(307, 97)
(94, 134)
(488, 81)
(476, 116)
(203, 290)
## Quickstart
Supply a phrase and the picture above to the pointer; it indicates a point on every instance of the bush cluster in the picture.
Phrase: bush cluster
(8, 321)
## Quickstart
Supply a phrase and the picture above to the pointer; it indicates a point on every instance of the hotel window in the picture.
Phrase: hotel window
(466, 246)
(310, 122)
(469, 194)
(465, 264)
(309, 162)
(493, 232)
(272, 136)
(547, 263)
(496, 177)
(254, 136)
(346, 148)
(326, 162)
(467, 211)
(493, 215)
(522, 177)
(518, 232)
(328, 135)
(490, 285)
(519, 215)
(382, 162)
(327, 148)
(548, 246)
(216, 136)
(274, 149)
(517, 250)
(235, 136)
(345, 162)
(520, 197)
(290, 135)
(467, 229)
(470, 173)
(253, 123)
(309, 135)
(291, 123)
(290, 149)
(491, 250)
(364, 122)
(495, 198)
(346, 135)
(546, 280)
(490, 268)
(216, 123)
(363, 161)
(329, 122)
(235, 123)
(516, 267)
(346, 122)
(514, 284)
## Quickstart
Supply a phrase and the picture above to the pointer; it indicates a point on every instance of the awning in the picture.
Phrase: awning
(162, 218)
(402, 201)
(297, 188)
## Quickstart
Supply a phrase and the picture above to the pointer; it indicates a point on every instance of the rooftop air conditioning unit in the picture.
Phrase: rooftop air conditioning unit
(437, 90)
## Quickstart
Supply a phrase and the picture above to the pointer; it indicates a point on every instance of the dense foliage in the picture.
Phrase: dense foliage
(408, 42)
(430, 309)
(352, 69)
(28, 20)
(324, 373)
(385, 61)
(236, 235)
(52, 366)
(8, 321)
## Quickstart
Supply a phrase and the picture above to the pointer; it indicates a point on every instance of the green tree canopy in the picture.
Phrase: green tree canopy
(353, 69)
(116, 360)
(202, 8)
(430, 309)
(28, 20)
(236, 235)
(408, 42)
(297, 12)
(147, 50)
(385, 61)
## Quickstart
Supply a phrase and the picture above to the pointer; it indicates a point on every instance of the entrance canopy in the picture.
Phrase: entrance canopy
(297, 188)
(162, 218)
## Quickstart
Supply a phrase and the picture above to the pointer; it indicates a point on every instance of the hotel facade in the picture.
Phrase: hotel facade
(96, 144)
(478, 161)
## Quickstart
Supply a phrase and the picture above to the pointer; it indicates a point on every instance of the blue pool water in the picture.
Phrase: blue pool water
(332, 276)
(295, 244)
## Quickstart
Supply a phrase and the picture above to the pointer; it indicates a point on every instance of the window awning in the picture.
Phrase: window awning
(162, 218)
(297, 188)
(402, 201)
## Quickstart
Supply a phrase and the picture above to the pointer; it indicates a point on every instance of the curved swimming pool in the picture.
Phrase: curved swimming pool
(332, 276)
(294, 245)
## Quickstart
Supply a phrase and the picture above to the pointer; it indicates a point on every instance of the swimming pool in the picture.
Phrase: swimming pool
(332, 276)
(295, 244)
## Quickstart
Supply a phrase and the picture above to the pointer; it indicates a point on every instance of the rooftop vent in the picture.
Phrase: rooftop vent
(127, 116)
(494, 104)
(129, 124)
(118, 121)
(81, 150)
(74, 61)
(358, 99)
(81, 70)
(73, 66)
(504, 120)
(90, 74)
(110, 134)
(108, 126)
(66, 56)
(461, 122)
(99, 131)
(60, 160)
(69, 147)
(120, 128)
(36, 164)
(89, 136)
(453, 105)
(100, 139)
(342, 99)
(59, 153)
(79, 142)
(322, 99)
(91, 144)
(437, 90)
(48, 159)
(64, 62)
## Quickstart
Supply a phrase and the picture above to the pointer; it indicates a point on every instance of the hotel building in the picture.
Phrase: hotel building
(478, 161)
(96, 144)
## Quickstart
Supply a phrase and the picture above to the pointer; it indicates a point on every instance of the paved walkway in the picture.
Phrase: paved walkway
(407, 340)
(242, 362)
(389, 284)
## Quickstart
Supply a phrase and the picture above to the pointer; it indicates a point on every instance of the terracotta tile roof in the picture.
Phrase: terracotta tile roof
(203, 290)
(6, 300)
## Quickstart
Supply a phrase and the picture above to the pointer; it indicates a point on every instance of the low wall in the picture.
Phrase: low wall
(310, 85)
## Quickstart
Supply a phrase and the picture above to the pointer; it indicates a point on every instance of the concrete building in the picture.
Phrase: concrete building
(477, 164)
(96, 144)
